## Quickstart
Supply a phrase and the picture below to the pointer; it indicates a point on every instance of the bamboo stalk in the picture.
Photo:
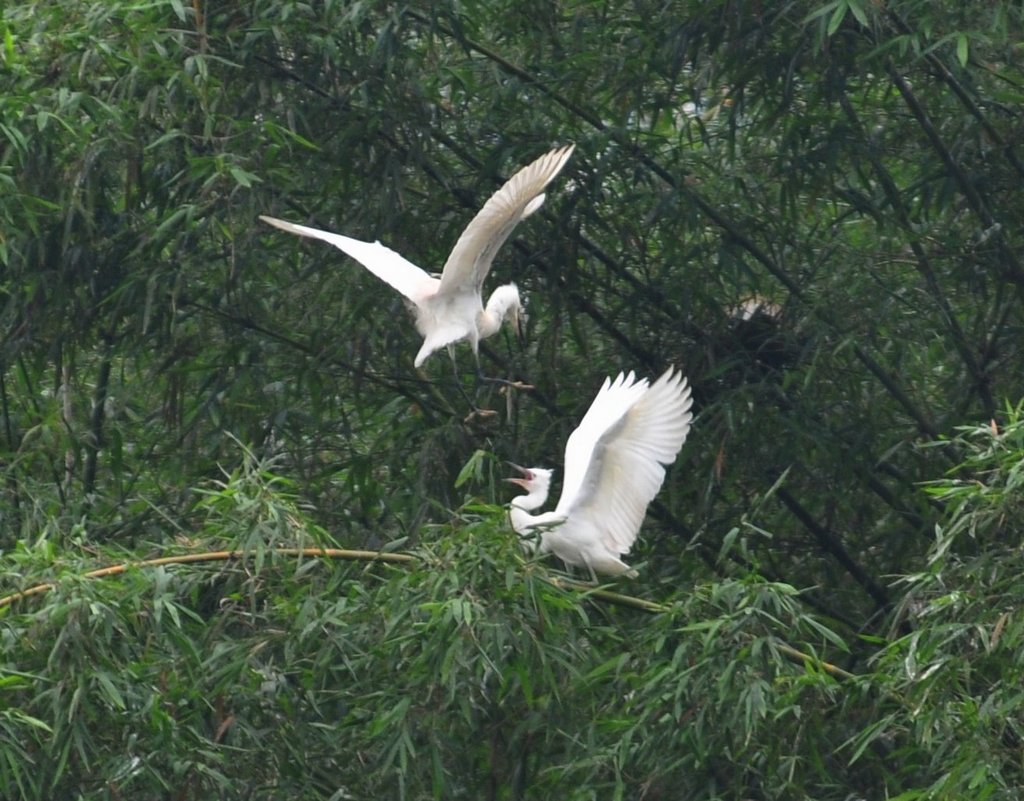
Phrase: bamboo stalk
(399, 558)
(215, 556)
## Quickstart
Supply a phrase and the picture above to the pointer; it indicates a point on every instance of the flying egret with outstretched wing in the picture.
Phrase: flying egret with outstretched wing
(450, 308)
(614, 466)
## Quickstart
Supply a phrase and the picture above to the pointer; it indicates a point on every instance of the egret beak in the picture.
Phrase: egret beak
(519, 325)
(522, 482)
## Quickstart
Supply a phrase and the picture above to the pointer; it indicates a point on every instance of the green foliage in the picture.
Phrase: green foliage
(473, 675)
(177, 378)
(955, 667)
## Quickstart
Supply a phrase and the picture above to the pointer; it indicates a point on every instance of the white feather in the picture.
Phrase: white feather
(389, 266)
(520, 196)
(614, 466)
(450, 309)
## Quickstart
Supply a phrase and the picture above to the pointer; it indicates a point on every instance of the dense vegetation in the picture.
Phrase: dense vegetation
(812, 208)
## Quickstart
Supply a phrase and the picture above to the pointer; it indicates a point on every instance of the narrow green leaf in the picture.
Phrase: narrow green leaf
(179, 9)
(822, 11)
(837, 18)
(21, 717)
(8, 45)
(827, 633)
(962, 52)
(868, 736)
(110, 691)
(243, 177)
(473, 468)
(858, 11)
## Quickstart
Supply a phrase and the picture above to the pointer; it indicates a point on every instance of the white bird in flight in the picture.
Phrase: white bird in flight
(450, 308)
(614, 466)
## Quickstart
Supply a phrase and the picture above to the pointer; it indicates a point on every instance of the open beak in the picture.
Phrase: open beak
(522, 482)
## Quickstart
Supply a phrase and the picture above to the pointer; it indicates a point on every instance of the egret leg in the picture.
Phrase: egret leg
(503, 381)
(476, 410)
(570, 570)
(486, 379)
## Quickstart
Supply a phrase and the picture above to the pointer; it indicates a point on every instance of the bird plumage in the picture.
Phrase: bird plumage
(450, 309)
(614, 466)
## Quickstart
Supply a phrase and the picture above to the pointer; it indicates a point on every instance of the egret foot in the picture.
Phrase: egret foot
(477, 414)
(505, 382)
(517, 385)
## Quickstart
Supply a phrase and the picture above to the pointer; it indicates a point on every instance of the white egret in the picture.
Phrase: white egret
(450, 308)
(614, 466)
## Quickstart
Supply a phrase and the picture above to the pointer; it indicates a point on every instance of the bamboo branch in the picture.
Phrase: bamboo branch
(402, 558)
(812, 661)
(351, 369)
(656, 300)
(831, 543)
(12, 447)
(324, 553)
(214, 556)
(931, 56)
(94, 437)
(33, 398)
(728, 226)
(608, 595)
(970, 192)
(921, 260)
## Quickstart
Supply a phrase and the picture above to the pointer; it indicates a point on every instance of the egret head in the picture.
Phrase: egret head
(535, 480)
(503, 304)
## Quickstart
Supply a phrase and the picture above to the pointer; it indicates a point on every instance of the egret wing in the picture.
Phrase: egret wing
(520, 196)
(584, 449)
(626, 464)
(389, 266)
